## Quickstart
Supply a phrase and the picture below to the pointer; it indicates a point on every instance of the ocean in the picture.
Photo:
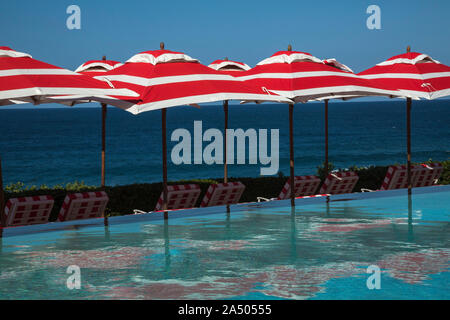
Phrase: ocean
(60, 145)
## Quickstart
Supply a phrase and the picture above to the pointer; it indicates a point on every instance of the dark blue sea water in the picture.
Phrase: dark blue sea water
(52, 146)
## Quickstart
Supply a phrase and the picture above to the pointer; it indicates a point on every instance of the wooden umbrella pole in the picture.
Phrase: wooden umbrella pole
(105, 217)
(291, 147)
(103, 143)
(291, 152)
(164, 151)
(408, 135)
(408, 139)
(326, 138)
(225, 165)
(102, 182)
(2, 200)
(103, 138)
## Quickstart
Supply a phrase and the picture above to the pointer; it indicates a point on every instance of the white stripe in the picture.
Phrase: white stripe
(416, 76)
(141, 81)
(304, 95)
(426, 94)
(19, 72)
(84, 92)
(166, 57)
(407, 61)
(13, 54)
(294, 57)
(19, 93)
(71, 100)
(296, 75)
(206, 98)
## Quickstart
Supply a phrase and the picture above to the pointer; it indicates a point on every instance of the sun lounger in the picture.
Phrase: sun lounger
(421, 176)
(397, 177)
(427, 174)
(223, 194)
(28, 210)
(339, 183)
(179, 197)
(84, 205)
(303, 186)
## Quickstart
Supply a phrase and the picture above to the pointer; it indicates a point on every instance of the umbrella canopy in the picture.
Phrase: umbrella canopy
(25, 79)
(229, 65)
(167, 79)
(93, 68)
(303, 77)
(417, 75)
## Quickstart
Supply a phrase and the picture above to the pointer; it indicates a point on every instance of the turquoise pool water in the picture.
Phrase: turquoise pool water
(257, 251)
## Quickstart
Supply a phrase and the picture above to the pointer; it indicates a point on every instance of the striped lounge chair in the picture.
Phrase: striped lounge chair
(304, 186)
(84, 205)
(178, 197)
(427, 174)
(421, 176)
(221, 194)
(28, 210)
(397, 178)
(339, 183)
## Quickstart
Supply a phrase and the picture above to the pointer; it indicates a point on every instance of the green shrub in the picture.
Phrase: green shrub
(321, 173)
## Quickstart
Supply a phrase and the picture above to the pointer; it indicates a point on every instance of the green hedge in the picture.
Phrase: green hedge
(123, 199)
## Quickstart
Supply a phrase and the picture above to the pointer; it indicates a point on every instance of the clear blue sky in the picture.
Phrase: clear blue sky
(242, 30)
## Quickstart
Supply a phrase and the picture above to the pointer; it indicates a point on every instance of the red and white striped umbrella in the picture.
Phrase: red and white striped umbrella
(93, 68)
(227, 67)
(303, 77)
(415, 74)
(25, 79)
(167, 79)
(335, 64)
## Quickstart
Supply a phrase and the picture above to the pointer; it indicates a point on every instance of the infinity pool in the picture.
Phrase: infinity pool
(257, 251)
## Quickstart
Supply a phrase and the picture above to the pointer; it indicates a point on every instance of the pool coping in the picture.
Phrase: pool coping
(159, 216)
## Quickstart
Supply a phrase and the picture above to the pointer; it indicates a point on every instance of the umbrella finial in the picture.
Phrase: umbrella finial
(226, 59)
(161, 45)
(289, 48)
(104, 58)
(408, 49)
